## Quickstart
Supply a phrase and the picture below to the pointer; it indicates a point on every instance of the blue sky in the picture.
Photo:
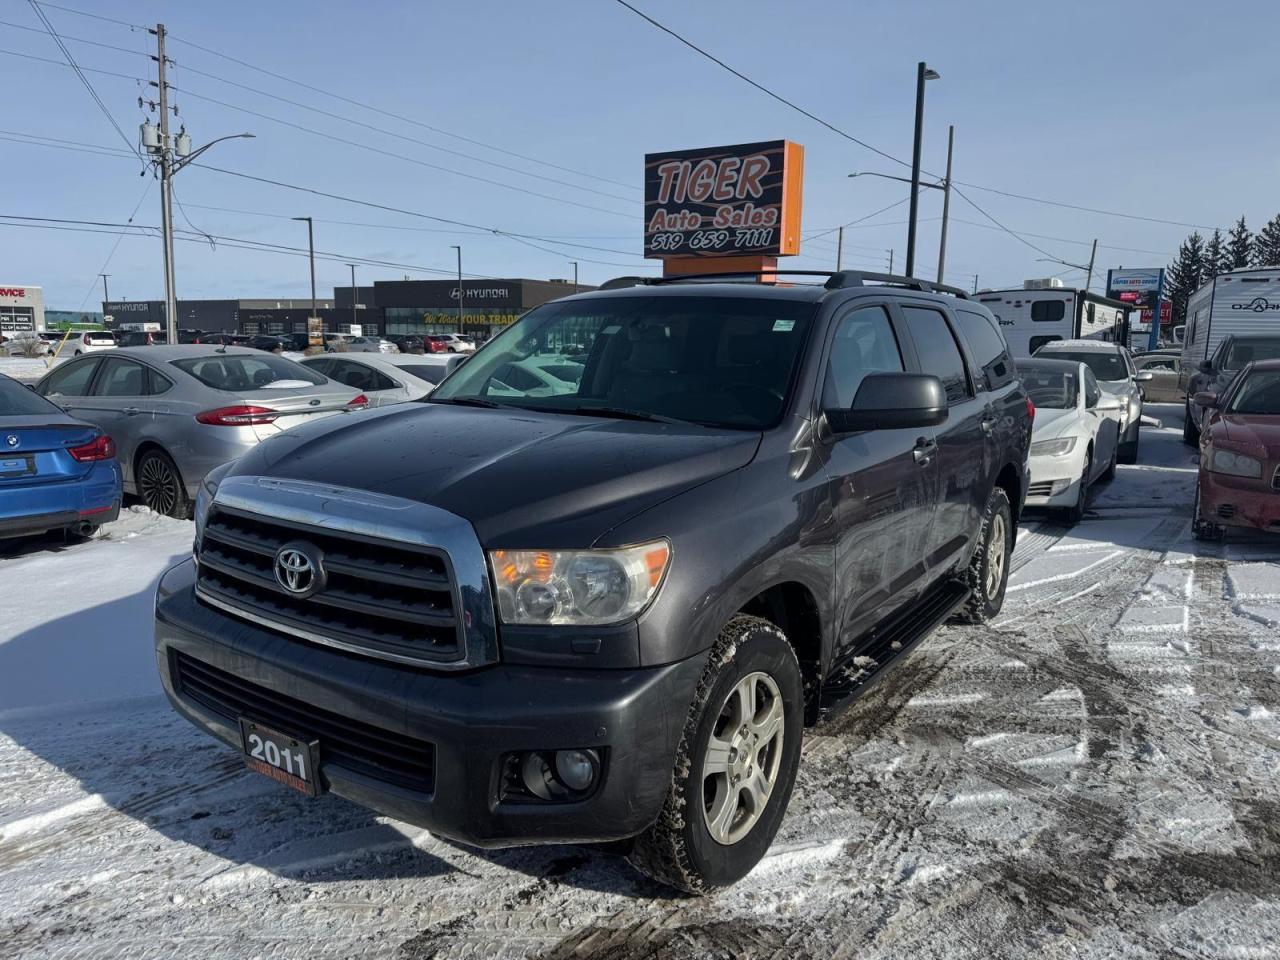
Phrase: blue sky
(1161, 109)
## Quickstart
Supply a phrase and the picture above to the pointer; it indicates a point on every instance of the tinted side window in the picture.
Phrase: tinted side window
(864, 343)
(938, 351)
(71, 380)
(1092, 392)
(1048, 310)
(987, 346)
(158, 383)
(121, 378)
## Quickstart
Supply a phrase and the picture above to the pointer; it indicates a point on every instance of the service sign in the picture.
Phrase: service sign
(724, 201)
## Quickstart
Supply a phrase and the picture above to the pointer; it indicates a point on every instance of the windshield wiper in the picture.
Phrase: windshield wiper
(617, 413)
(465, 401)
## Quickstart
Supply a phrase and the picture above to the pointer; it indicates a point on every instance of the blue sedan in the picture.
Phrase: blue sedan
(56, 472)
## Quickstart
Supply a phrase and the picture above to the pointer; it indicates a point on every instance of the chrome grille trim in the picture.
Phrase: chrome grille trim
(333, 511)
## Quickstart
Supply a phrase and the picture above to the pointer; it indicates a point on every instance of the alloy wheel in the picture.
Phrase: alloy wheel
(743, 757)
(996, 554)
(159, 486)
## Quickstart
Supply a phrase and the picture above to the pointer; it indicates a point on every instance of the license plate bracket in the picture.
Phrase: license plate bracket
(12, 467)
(292, 761)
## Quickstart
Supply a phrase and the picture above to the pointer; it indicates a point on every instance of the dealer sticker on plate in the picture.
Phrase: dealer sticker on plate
(281, 757)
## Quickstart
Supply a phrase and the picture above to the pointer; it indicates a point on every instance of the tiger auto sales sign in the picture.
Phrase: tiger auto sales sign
(724, 201)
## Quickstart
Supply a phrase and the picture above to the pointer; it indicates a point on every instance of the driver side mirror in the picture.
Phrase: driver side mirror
(1142, 376)
(1206, 400)
(1107, 402)
(889, 401)
(1206, 366)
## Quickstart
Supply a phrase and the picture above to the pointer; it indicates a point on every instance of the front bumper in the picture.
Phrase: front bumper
(1062, 472)
(635, 717)
(1239, 501)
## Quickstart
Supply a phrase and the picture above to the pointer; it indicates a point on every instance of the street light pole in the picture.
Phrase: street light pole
(353, 292)
(459, 249)
(105, 296)
(311, 248)
(575, 275)
(923, 73)
(839, 248)
(946, 203)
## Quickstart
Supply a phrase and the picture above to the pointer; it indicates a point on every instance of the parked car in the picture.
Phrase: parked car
(141, 338)
(175, 413)
(609, 613)
(337, 342)
(383, 378)
(1074, 441)
(225, 339)
(371, 345)
(296, 342)
(438, 343)
(1113, 367)
(91, 341)
(271, 344)
(26, 343)
(1239, 481)
(460, 342)
(1163, 366)
(56, 472)
(1234, 352)
(406, 342)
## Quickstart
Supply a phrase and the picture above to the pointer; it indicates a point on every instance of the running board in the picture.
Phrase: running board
(885, 644)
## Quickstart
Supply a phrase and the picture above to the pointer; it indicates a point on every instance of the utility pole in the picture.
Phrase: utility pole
(839, 248)
(575, 276)
(311, 249)
(105, 296)
(923, 74)
(1093, 255)
(975, 283)
(891, 260)
(946, 202)
(353, 292)
(459, 249)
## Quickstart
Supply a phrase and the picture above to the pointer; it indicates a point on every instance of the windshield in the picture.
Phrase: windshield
(718, 361)
(1048, 386)
(1105, 366)
(238, 372)
(1246, 351)
(1258, 394)
(17, 401)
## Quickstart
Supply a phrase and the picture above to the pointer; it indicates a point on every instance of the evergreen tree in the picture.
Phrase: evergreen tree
(1185, 275)
(1266, 245)
(1216, 258)
(1240, 245)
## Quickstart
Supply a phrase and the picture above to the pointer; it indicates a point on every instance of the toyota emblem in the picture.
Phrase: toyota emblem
(298, 569)
(11, 439)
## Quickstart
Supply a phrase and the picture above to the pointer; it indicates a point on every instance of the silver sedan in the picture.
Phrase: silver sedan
(175, 413)
(385, 378)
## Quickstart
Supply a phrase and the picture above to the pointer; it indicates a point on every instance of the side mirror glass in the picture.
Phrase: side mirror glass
(890, 401)
(1206, 400)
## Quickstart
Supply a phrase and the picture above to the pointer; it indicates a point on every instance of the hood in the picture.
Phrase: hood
(522, 479)
(1255, 430)
(1050, 424)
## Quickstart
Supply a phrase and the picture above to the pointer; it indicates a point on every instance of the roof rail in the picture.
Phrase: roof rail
(836, 280)
(858, 278)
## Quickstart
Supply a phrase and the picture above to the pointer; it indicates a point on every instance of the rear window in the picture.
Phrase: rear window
(428, 374)
(1105, 366)
(17, 401)
(100, 337)
(238, 372)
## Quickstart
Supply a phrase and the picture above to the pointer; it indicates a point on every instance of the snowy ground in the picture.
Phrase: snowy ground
(1097, 774)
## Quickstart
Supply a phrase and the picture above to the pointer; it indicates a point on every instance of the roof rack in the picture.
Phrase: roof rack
(836, 280)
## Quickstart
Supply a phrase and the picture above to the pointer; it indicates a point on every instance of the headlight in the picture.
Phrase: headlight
(1235, 464)
(577, 586)
(1053, 448)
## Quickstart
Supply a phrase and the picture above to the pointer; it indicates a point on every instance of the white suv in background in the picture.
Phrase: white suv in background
(91, 341)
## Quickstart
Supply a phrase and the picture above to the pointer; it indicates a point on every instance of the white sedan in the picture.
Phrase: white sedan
(1074, 439)
(384, 378)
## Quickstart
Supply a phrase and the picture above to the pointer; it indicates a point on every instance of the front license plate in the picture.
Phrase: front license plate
(281, 757)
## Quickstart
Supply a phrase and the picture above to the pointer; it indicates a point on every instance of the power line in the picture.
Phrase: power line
(115, 246)
(1021, 239)
(896, 203)
(94, 16)
(1073, 206)
(1083, 243)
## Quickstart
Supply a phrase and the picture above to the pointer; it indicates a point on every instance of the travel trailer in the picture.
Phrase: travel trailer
(1045, 310)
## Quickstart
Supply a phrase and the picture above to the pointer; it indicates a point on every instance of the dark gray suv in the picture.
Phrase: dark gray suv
(597, 584)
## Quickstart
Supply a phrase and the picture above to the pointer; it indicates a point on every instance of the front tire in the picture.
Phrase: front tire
(735, 766)
(988, 573)
(160, 485)
(1202, 529)
(1190, 435)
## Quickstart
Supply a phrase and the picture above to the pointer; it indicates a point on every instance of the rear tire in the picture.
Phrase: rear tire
(735, 766)
(988, 572)
(160, 485)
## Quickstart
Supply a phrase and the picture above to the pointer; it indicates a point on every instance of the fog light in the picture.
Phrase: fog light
(576, 768)
(1058, 486)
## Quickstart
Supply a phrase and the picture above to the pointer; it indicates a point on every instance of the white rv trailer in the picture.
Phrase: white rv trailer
(1242, 301)
(1044, 310)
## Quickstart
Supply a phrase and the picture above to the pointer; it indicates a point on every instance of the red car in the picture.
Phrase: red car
(1239, 482)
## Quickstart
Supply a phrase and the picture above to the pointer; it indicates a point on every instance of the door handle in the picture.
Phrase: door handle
(131, 411)
(924, 450)
(988, 421)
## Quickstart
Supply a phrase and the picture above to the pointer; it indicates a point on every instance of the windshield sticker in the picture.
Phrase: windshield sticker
(783, 326)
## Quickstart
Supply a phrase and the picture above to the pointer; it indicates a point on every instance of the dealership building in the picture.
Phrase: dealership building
(21, 308)
(223, 316)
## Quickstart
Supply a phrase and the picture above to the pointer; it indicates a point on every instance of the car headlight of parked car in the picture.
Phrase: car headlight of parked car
(1053, 448)
(204, 496)
(578, 587)
(1235, 464)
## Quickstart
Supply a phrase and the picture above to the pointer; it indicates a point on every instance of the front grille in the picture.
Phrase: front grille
(1042, 488)
(351, 744)
(389, 599)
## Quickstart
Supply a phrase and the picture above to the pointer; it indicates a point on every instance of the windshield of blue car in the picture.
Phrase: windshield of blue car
(1259, 394)
(17, 401)
(1106, 365)
(716, 361)
(1050, 386)
(236, 372)
(1244, 352)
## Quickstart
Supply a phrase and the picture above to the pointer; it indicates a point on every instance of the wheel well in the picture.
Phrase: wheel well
(1008, 481)
(143, 449)
(792, 608)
